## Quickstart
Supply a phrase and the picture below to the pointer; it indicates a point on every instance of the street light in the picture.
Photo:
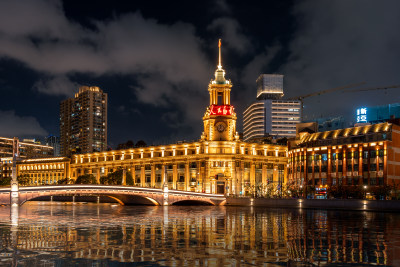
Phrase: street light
(301, 190)
(365, 191)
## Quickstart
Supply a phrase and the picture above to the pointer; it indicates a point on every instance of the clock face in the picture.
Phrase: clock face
(220, 127)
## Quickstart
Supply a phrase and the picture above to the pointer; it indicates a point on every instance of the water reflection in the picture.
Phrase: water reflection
(44, 234)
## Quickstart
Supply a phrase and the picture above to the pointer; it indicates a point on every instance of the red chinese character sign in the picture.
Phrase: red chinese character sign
(221, 110)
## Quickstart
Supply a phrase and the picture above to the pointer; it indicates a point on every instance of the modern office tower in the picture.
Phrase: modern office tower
(271, 115)
(269, 86)
(83, 122)
(53, 141)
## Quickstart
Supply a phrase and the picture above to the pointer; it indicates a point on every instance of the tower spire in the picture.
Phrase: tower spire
(219, 56)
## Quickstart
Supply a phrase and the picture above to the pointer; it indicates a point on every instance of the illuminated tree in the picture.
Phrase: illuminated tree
(5, 181)
(86, 179)
(23, 179)
(65, 181)
(115, 178)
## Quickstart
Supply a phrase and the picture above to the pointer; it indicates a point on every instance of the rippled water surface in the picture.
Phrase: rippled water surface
(59, 234)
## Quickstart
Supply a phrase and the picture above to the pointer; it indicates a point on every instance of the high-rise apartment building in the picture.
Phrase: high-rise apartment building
(271, 115)
(83, 122)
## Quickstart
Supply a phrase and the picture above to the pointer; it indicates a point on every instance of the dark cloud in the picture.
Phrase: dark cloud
(167, 60)
(57, 85)
(171, 65)
(13, 125)
(231, 33)
(339, 43)
(223, 7)
(259, 64)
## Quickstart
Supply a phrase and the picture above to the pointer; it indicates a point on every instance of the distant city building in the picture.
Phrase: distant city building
(330, 123)
(269, 86)
(271, 114)
(31, 140)
(83, 122)
(26, 150)
(54, 142)
(377, 114)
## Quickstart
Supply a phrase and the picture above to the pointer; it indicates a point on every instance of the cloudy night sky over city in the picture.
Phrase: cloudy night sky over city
(156, 58)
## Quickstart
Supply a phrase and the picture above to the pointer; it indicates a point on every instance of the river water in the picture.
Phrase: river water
(62, 234)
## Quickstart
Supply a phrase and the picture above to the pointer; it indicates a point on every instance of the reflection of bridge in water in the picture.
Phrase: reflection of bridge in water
(122, 194)
(196, 235)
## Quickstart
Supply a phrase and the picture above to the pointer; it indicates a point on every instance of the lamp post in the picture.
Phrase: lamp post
(365, 191)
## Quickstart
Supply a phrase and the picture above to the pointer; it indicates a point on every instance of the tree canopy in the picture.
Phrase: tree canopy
(115, 178)
(140, 143)
(5, 181)
(127, 145)
(65, 181)
(23, 179)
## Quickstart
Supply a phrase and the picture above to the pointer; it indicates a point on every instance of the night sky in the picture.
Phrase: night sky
(156, 58)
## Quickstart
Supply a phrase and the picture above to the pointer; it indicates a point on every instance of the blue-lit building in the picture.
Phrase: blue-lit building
(377, 114)
(330, 123)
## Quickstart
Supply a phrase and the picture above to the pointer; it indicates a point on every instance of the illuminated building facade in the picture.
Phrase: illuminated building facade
(83, 122)
(364, 155)
(26, 150)
(45, 170)
(271, 114)
(218, 163)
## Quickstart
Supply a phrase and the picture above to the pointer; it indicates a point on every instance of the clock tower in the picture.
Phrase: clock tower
(220, 117)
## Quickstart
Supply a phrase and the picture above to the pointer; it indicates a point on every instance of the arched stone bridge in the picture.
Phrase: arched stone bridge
(123, 194)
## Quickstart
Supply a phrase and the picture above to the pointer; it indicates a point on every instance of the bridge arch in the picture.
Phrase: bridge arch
(122, 194)
(122, 198)
(185, 202)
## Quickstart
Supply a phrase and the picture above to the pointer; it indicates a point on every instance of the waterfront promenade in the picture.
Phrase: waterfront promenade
(338, 204)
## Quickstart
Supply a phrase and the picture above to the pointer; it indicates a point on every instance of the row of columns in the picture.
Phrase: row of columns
(226, 97)
(204, 177)
(329, 175)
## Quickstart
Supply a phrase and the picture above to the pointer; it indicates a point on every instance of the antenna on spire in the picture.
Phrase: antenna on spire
(219, 57)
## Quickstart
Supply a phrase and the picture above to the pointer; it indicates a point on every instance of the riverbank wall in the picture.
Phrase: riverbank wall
(335, 204)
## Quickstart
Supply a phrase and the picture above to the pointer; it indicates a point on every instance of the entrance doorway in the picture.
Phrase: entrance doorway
(220, 187)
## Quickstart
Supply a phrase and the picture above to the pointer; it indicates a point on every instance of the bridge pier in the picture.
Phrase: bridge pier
(165, 188)
(123, 176)
(14, 196)
(165, 195)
